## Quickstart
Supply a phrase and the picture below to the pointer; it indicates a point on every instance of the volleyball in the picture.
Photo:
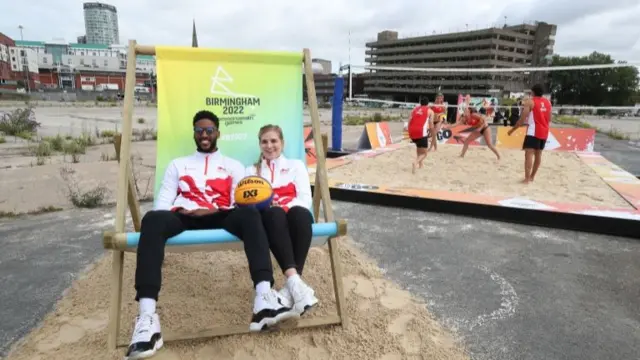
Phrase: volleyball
(442, 117)
(253, 191)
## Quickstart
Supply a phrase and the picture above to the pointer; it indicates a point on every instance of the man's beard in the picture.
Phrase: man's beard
(211, 148)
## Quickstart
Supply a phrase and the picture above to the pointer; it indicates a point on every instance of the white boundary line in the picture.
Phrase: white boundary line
(499, 70)
(504, 106)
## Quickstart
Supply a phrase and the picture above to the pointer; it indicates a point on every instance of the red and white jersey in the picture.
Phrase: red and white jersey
(439, 108)
(419, 122)
(539, 118)
(289, 179)
(199, 181)
(475, 120)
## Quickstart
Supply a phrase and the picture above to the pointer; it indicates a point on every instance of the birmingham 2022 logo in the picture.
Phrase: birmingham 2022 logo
(233, 108)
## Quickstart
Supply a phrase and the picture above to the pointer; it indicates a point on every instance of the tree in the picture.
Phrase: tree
(598, 87)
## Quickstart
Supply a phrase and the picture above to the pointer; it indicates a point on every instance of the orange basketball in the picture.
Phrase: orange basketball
(253, 191)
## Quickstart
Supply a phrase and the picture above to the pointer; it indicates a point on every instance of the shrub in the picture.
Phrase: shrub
(107, 133)
(57, 142)
(83, 199)
(75, 148)
(19, 122)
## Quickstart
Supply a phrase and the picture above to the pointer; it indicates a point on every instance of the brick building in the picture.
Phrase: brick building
(52, 78)
(7, 80)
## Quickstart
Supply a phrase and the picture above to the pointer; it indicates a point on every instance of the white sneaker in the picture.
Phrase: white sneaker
(270, 313)
(285, 298)
(301, 294)
(146, 338)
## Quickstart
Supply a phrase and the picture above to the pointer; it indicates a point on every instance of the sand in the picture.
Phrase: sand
(211, 289)
(562, 177)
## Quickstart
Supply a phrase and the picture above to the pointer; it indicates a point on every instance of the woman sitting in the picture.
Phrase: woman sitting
(288, 221)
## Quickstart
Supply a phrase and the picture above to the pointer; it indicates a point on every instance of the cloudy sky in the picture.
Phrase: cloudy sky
(611, 26)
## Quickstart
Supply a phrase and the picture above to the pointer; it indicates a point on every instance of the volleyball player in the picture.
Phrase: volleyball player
(536, 113)
(478, 121)
(439, 117)
(420, 124)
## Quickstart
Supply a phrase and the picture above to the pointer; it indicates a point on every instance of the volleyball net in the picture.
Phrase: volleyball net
(504, 88)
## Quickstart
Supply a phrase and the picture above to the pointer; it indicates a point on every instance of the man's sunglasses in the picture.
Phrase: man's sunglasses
(199, 130)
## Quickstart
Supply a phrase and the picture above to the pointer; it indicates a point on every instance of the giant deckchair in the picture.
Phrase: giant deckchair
(246, 89)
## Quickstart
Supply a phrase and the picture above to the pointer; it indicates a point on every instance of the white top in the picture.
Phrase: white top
(289, 179)
(199, 181)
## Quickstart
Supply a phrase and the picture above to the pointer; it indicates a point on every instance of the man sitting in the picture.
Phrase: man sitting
(197, 194)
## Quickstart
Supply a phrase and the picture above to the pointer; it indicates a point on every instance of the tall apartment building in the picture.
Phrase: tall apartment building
(101, 23)
(507, 47)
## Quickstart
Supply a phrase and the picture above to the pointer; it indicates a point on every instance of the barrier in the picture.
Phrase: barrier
(309, 146)
(560, 139)
(450, 135)
(375, 135)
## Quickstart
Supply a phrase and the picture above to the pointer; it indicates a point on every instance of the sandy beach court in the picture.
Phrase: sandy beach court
(211, 289)
(562, 177)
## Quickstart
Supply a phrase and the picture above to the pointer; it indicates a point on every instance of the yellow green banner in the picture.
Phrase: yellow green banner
(245, 89)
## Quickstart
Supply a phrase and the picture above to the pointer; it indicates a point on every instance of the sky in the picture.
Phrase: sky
(584, 26)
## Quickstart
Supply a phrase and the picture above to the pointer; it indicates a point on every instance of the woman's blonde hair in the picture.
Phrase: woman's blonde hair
(263, 130)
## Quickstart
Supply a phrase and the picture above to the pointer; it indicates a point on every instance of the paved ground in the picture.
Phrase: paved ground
(629, 125)
(511, 291)
(626, 154)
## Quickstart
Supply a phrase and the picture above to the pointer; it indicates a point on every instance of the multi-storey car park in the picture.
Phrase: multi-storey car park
(516, 46)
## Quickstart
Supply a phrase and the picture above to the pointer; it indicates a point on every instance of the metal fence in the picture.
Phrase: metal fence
(70, 95)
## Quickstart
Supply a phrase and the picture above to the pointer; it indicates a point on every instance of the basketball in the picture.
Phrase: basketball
(253, 191)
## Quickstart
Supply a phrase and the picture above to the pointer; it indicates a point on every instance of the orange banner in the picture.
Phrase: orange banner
(451, 135)
(457, 135)
(309, 146)
(375, 135)
(560, 139)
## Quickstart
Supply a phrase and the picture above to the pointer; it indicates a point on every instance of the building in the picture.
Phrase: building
(101, 23)
(60, 65)
(323, 79)
(507, 47)
(24, 64)
(321, 66)
(7, 79)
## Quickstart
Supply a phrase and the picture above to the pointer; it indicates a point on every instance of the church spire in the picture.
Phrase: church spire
(194, 36)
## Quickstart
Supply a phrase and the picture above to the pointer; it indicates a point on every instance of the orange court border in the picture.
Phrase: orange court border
(622, 182)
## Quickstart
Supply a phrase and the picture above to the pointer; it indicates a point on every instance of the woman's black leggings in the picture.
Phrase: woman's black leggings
(160, 225)
(289, 235)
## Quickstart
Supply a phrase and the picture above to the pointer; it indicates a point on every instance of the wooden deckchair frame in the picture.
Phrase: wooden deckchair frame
(126, 196)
